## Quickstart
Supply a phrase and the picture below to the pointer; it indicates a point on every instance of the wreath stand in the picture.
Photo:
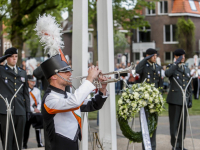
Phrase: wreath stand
(9, 117)
(182, 115)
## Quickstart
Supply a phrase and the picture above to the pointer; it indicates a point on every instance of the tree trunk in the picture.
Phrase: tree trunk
(95, 46)
(16, 32)
(131, 47)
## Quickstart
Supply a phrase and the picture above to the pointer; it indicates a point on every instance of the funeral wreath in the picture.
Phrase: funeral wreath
(132, 100)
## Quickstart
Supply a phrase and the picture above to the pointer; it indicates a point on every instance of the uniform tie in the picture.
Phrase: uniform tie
(14, 70)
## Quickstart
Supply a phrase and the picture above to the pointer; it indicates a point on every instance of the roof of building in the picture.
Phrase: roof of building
(186, 6)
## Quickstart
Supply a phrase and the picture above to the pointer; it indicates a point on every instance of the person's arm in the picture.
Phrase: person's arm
(140, 66)
(169, 72)
(39, 100)
(26, 95)
(142, 63)
(95, 103)
(160, 81)
(54, 104)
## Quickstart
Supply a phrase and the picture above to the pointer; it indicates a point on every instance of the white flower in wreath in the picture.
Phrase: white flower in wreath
(151, 106)
(120, 101)
(136, 95)
(152, 110)
(144, 103)
(124, 94)
(146, 96)
(150, 99)
(134, 105)
(156, 100)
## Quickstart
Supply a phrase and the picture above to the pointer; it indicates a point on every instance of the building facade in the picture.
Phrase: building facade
(161, 34)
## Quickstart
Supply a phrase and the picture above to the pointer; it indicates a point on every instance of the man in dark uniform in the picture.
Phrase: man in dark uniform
(11, 78)
(181, 73)
(149, 70)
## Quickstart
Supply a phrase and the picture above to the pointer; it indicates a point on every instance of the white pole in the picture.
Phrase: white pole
(107, 115)
(79, 52)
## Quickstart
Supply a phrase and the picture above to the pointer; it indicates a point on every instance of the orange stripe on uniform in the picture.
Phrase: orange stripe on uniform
(55, 111)
(78, 118)
(33, 98)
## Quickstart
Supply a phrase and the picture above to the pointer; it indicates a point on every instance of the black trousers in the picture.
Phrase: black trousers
(153, 138)
(37, 121)
(46, 138)
(62, 143)
(174, 118)
(195, 82)
(19, 124)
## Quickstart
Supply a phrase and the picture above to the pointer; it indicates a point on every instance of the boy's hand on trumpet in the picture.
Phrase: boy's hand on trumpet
(103, 85)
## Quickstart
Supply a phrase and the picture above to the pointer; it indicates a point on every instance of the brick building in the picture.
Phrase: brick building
(161, 33)
(67, 38)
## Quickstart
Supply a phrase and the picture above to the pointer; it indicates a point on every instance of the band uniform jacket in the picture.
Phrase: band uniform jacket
(62, 110)
(10, 82)
(147, 71)
(36, 95)
(35, 102)
(182, 76)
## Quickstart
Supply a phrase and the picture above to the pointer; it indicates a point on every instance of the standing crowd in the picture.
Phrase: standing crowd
(59, 110)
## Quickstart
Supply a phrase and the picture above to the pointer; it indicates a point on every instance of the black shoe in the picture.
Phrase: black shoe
(40, 145)
(38, 138)
(25, 147)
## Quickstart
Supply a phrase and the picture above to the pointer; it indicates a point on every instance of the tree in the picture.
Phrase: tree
(185, 36)
(120, 43)
(20, 16)
(126, 15)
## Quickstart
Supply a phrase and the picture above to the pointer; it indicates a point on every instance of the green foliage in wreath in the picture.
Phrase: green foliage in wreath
(137, 136)
(132, 100)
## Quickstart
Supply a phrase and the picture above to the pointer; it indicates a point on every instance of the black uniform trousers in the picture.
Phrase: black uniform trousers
(37, 121)
(62, 143)
(195, 82)
(153, 138)
(19, 123)
(174, 118)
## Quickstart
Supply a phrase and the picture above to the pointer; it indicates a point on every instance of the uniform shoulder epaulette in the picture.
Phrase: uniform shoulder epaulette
(21, 68)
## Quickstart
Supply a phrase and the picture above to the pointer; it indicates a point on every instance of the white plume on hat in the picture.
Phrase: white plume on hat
(49, 33)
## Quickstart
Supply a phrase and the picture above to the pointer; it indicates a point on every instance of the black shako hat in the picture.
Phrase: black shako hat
(31, 78)
(55, 65)
(151, 51)
(179, 52)
(11, 51)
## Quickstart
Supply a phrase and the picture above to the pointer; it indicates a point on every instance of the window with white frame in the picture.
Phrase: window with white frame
(150, 11)
(168, 56)
(163, 7)
(144, 34)
(137, 56)
(192, 5)
(90, 41)
(170, 33)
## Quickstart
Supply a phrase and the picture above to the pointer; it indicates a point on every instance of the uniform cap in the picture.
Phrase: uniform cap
(179, 52)
(151, 51)
(11, 51)
(31, 78)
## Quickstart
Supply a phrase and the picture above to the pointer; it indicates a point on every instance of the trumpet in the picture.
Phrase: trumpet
(96, 82)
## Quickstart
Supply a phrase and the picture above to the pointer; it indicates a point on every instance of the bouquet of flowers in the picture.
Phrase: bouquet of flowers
(140, 95)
